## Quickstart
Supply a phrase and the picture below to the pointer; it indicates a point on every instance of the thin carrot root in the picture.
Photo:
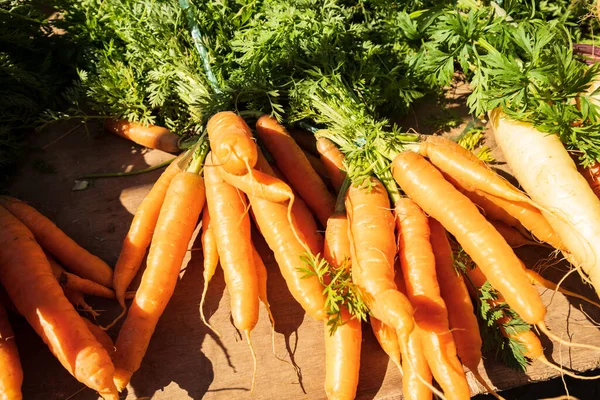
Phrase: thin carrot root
(487, 387)
(433, 389)
(77, 299)
(540, 280)
(542, 327)
(202, 316)
(546, 362)
(247, 332)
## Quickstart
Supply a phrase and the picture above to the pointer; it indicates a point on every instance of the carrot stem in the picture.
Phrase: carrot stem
(129, 173)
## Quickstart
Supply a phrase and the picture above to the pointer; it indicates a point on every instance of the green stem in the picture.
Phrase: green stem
(202, 51)
(130, 173)
(199, 156)
(340, 202)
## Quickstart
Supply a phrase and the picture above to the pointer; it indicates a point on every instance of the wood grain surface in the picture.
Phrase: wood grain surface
(185, 359)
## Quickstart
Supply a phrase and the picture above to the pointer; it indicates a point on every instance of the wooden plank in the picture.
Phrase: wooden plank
(185, 359)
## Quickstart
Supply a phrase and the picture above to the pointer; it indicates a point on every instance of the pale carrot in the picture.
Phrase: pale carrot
(27, 277)
(178, 216)
(297, 169)
(11, 372)
(151, 136)
(52, 239)
(231, 142)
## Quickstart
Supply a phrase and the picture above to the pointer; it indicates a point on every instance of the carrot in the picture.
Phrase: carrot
(57, 243)
(513, 237)
(11, 372)
(274, 224)
(231, 226)
(211, 260)
(151, 136)
(27, 277)
(293, 163)
(261, 273)
(178, 216)
(231, 142)
(140, 232)
(260, 184)
(333, 160)
(72, 282)
(337, 244)
(101, 336)
(540, 280)
(78, 301)
(544, 168)
(427, 187)
(387, 339)
(431, 316)
(317, 165)
(373, 249)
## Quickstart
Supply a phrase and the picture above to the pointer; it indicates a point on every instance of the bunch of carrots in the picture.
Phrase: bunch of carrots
(391, 256)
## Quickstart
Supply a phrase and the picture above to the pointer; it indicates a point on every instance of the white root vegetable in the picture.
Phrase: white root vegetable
(548, 174)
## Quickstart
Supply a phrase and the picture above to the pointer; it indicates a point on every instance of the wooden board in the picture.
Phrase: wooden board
(185, 359)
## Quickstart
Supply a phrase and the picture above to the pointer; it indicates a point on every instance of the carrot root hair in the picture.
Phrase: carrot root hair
(114, 321)
(433, 389)
(247, 332)
(202, 316)
(562, 371)
(544, 329)
(540, 280)
(487, 387)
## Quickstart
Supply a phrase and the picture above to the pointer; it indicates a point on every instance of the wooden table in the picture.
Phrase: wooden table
(185, 359)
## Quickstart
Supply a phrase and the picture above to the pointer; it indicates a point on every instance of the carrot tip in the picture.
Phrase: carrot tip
(122, 378)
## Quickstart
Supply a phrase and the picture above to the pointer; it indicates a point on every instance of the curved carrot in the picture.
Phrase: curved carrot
(260, 184)
(293, 163)
(426, 186)
(373, 249)
(101, 336)
(231, 142)
(261, 273)
(11, 372)
(178, 216)
(78, 301)
(387, 339)
(140, 232)
(431, 316)
(151, 136)
(333, 160)
(336, 250)
(75, 283)
(230, 223)
(52, 239)
(210, 257)
(27, 277)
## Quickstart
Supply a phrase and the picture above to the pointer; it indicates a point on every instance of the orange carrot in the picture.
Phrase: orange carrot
(387, 339)
(293, 163)
(260, 184)
(373, 249)
(333, 160)
(513, 237)
(337, 244)
(78, 301)
(27, 277)
(101, 336)
(178, 216)
(140, 232)
(211, 260)
(418, 268)
(75, 283)
(231, 142)
(230, 223)
(57, 243)
(11, 373)
(317, 165)
(151, 136)
(426, 186)
(261, 273)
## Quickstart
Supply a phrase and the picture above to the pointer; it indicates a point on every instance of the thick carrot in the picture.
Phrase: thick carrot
(461, 315)
(342, 358)
(230, 223)
(418, 268)
(27, 277)
(295, 166)
(210, 257)
(373, 249)
(544, 168)
(152, 136)
(426, 186)
(333, 160)
(178, 216)
(140, 232)
(101, 336)
(73, 282)
(231, 142)
(11, 372)
(56, 242)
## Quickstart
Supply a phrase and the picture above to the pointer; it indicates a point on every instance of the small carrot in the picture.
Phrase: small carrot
(101, 336)
(426, 186)
(52, 239)
(231, 142)
(261, 273)
(27, 277)
(297, 169)
(210, 255)
(373, 249)
(260, 184)
(417, 262)
(513, 237)
(78, 301)
(73, 282)
(151, 136)
(178, 216)
(11, 372)
(140, 232)
(333, 160)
